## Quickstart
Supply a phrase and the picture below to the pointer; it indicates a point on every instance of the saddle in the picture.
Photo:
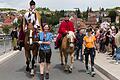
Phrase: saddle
(60, 40)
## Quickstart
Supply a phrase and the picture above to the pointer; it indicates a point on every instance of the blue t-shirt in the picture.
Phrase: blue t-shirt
(48, 37)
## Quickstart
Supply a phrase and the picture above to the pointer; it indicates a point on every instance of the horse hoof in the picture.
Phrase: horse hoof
(32, 72)
(62, 64)
(27, 69)
(65, 69)
(70, 70)
(35, 66)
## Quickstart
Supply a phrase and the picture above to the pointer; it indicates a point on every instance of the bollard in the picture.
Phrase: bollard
(4, 46)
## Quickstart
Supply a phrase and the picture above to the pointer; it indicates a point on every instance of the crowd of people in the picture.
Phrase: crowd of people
(107, 41)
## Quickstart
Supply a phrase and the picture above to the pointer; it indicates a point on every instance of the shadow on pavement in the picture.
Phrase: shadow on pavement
(58, 66)
(81, 71)
(24, 71)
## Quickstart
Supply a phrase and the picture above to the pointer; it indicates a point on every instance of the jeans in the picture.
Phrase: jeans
(79, 53)
(102, 47)
(118, 54)
(89, 51)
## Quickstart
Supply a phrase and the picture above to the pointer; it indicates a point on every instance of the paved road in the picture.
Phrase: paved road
(14, 69)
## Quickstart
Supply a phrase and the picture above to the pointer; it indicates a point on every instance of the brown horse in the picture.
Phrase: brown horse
(67, 48)
(31, 47)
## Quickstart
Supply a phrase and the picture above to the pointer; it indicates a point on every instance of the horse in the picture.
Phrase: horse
(31, 48)
(67, 48)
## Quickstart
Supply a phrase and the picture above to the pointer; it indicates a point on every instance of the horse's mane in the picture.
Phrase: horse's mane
(71, 34)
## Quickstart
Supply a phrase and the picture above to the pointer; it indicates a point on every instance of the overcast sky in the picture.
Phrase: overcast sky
(61, 4)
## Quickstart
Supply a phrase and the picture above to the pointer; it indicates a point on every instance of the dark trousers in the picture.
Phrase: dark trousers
(102, 47)
(21, 44)
(89, 51)
(79, 53)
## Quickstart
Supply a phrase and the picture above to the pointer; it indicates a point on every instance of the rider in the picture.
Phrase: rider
(32, 16)
(65, 26)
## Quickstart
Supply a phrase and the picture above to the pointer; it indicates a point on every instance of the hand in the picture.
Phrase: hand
(40, 42)
(48, 42)
(66, 32)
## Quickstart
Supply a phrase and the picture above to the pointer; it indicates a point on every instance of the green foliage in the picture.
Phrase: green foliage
(22, 11)
(78, 13)
(43, 9)
(117, 8)
(85, 15)
(7, 9)
(102, 9)
(17, 24)
(52, 18)
(6, 29)
(118, 24)
(112, 15)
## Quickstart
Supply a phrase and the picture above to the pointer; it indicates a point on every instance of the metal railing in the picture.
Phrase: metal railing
(5, 44)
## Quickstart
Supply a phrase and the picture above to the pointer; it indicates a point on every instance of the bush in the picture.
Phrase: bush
(6, 29)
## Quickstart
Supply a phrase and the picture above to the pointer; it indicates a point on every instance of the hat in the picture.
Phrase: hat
(32, 2)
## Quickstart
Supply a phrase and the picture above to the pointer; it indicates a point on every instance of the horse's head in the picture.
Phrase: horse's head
(31, 34)
(71, 37)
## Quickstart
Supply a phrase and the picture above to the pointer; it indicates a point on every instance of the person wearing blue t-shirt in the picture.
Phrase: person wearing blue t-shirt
(45, 39)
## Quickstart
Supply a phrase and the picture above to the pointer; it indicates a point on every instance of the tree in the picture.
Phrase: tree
(112, 15)
(22, 11)
(85, 15)
(6, 29)
(62, 12)
(7, 9)
(78, 13)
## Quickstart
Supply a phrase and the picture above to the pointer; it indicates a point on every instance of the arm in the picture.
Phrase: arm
(84, 43)
(62, 28)
(72, 27)
(47, 43)
(50, 39)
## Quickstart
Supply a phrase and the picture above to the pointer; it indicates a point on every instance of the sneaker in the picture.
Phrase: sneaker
(87, 71)
(117, 63)
(47, 76)
(92, 73)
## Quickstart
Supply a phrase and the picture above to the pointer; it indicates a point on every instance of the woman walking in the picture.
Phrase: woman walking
(89, 43)
(45, 39)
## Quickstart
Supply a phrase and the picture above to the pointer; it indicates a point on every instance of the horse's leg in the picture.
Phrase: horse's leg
(32, 68)
(28, 59)
(34, 53)
(66, 58)
(61, 56)
(71, 62)
(34, 59)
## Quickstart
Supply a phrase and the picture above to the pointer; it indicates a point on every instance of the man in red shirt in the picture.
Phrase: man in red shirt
(65, 26)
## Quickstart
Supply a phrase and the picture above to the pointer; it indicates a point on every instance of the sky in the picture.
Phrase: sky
(61, 4)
